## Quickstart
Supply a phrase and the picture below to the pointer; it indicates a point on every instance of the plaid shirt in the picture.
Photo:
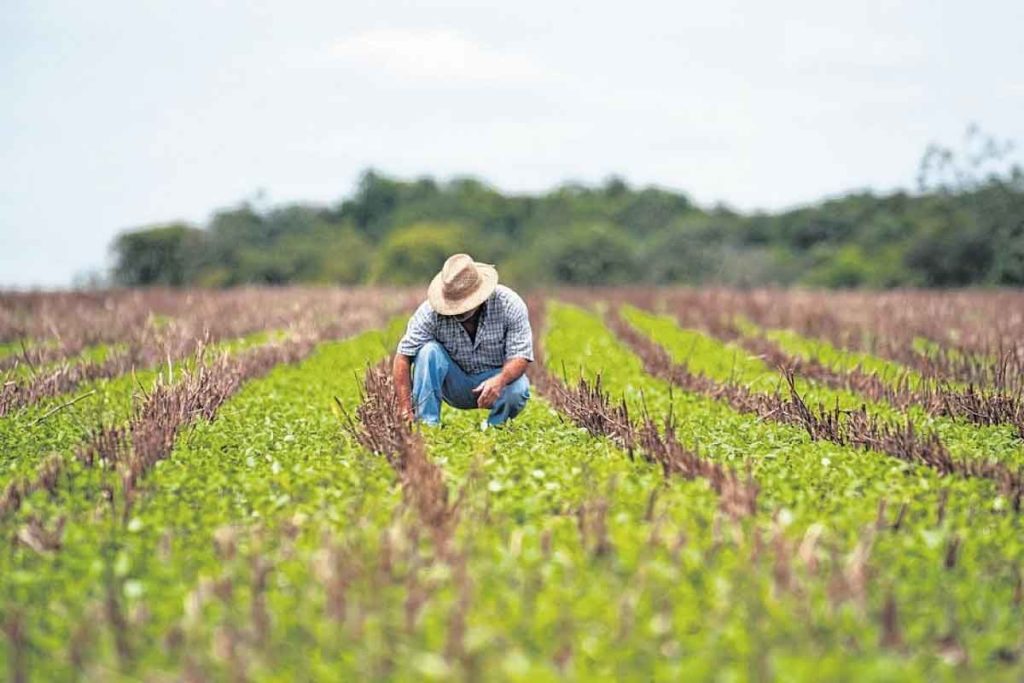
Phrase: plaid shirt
(503, 332)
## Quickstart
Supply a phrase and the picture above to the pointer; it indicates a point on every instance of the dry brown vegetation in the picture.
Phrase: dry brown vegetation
(157, 326)
(162, 321)
(978, 335)
(979, 405)
(381, 428)
(858, 428)
(590, 407)
(755, 562)
(170, 406)
(177, 401)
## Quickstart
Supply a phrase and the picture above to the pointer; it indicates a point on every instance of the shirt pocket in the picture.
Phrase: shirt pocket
(495, 342)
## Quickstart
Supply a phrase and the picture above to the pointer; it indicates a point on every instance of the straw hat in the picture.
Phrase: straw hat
(462, 284)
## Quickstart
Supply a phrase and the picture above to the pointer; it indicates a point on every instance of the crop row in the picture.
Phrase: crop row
(60, 378)
(587, 405)
(60, 423)
(803, 587)
(975, 438)
(316, 566)
(39, 416)
(898, 437)
(931, 524)
(620, 527)
(837, 369)
(969, 337)
(36, 329)
(656, 543)
(101, 446)
(157, 341)
(130, 567)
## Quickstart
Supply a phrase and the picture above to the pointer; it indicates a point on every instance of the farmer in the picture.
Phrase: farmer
(468, 344)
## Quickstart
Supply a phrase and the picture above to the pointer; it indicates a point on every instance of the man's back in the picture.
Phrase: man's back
(503, 332)
(467, 345)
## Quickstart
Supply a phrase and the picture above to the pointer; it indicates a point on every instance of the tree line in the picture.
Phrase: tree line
(963, 225)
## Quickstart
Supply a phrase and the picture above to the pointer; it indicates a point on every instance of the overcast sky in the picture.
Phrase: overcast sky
(119, 114)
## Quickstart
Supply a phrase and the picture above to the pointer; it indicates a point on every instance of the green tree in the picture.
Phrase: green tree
(375, 200)
(157, 255)
(589, 254)
(414, 254)
(691, 251)
(650, 210)
(964, 226)
(952, 252)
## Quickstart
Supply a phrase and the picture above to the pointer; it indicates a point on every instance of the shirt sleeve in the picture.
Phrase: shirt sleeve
(419, 331)
(518, 333)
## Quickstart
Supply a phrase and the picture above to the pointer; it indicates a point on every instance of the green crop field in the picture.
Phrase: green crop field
(705, 485)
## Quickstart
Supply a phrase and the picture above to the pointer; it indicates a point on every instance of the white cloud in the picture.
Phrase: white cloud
(811, 44)
(441, 55)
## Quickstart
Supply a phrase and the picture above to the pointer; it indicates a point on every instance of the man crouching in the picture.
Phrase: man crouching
(468, 344)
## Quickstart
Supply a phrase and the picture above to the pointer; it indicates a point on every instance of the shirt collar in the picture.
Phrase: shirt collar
(483, 312)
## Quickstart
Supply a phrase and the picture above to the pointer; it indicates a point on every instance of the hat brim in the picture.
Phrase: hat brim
(443, 306)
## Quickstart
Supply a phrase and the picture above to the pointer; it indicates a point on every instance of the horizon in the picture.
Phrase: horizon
(258, 202)
(123, 116)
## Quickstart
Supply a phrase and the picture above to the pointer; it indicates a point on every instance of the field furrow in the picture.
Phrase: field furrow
(966, 337)
(674, 503)
(274, 457)
(59, 423)
(842, 489)
(590, 408)
(881, 381)
(732, 363)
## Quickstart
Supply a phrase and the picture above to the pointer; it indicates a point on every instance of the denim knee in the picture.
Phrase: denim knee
(518, 392)
(430, 353)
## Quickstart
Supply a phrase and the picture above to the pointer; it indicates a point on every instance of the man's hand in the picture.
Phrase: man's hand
(489, 390)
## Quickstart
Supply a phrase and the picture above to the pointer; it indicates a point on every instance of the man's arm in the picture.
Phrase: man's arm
(490, 389)
(518, 352)
(401, 372)
(418, 332)
(519, 333)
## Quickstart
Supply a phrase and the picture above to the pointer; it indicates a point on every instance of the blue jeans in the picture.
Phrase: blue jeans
(436, 377)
